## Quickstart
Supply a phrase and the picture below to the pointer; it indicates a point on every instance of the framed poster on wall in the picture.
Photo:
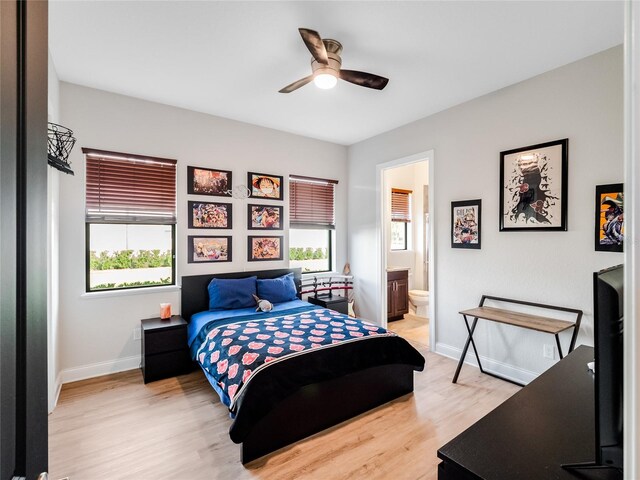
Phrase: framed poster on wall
(207, 249)
(208, 181)
(465, 224)
(533, 187)
(264, 248)
(609, 220)
(264, 217)
(210, 215)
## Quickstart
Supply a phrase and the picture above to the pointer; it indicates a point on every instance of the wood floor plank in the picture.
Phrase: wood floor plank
(116, 427)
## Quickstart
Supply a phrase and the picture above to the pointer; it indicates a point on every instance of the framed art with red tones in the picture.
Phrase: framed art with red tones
(208, 249)
(207, 181)
(264, 185)
(264, 248)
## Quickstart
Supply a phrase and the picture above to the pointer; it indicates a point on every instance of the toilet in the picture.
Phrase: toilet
(420, 300)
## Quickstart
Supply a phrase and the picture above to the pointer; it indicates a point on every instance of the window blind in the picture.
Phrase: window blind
(400, 205)
(311, 202)
(129, 188)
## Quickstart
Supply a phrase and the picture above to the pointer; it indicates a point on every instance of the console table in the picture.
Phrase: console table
(518, 319)
(549, 422)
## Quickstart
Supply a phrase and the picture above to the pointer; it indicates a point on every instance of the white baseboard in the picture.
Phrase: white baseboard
(58, 386)
(100, 368)
(511, 372)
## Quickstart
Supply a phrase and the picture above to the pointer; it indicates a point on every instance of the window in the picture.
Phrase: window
(130, 220)
(400, 218)
(311, 222)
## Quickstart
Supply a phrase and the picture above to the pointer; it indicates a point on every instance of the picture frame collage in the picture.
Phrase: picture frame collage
(533, 197)
(219, 215)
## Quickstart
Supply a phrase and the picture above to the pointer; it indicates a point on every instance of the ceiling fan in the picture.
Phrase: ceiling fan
(326, 63)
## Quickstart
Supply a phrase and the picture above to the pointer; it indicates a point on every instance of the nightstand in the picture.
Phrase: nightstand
(334, 302)
(165, 352)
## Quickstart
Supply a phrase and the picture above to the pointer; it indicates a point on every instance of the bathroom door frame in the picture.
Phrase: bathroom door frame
(382, 200)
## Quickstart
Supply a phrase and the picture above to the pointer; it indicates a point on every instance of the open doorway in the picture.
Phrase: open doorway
(406, 234)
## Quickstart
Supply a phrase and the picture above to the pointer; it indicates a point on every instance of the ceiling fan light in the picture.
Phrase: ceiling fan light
(325, 81)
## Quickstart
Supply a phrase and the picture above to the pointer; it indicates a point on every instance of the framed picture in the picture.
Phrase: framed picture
(533, 187)
(609, 217)
(264, 248)
(210, 215)
(264, 217)
(465, 224)
(203, 249)
(263, 185)
(206, 181)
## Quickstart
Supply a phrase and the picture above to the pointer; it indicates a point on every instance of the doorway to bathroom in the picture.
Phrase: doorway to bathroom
(407, 255)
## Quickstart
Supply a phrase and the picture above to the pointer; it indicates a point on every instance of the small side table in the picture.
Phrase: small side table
(165, 352)
(334, 302)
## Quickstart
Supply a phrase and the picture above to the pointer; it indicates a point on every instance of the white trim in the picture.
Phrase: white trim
(101, 368)
(54, 401)
(631, 245)
(515, 374)
(131, 291)
(427, 156)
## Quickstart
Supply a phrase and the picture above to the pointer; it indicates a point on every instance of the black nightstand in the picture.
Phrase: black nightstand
(165, 352)
(334, 302)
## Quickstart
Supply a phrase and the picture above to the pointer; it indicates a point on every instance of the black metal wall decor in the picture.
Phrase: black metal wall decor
(59, 145)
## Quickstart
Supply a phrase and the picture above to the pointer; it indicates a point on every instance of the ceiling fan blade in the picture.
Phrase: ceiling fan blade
(296, 85)
(315, 45)
(364, 79)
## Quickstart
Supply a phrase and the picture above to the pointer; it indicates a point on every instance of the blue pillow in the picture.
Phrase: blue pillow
(277, 290)
(227, 293)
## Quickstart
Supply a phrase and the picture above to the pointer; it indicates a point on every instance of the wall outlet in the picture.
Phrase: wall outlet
(137, 333)
(549, 351)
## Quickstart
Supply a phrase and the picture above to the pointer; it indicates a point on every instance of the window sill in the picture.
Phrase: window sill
(133, 291)
(320, 274)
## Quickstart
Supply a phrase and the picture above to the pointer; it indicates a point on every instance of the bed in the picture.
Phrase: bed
(294, 371)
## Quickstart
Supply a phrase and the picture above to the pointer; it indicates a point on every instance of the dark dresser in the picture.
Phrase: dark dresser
(165, 352)
(334, 302)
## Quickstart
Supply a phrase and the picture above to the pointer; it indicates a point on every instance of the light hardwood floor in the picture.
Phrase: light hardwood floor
(115, 427)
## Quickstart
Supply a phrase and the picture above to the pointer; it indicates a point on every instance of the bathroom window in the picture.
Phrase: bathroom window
(400, 218)
(311, 222)
(398, 236)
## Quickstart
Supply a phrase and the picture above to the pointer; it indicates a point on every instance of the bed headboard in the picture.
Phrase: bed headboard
(195, 296)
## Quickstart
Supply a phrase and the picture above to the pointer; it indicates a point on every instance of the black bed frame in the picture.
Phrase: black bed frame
(314, 407)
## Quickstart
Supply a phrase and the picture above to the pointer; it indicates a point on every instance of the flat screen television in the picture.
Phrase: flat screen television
(608, 288)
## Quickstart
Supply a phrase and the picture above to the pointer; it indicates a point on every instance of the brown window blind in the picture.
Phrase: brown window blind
(129, 188)
(311, 202)
(400, 205)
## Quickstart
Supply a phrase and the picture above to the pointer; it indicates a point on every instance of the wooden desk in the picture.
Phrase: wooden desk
(549, 422)
(518, 319)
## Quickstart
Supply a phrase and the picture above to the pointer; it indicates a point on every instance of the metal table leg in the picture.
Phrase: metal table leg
(466, 347)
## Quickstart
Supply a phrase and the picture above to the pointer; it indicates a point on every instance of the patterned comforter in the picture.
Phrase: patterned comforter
(255, 362)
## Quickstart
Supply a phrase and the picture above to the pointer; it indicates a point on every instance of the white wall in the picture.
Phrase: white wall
(97, 328)
(581, 101)
(53, 221)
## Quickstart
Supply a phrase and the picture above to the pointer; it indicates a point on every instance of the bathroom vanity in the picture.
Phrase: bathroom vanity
(397, 293)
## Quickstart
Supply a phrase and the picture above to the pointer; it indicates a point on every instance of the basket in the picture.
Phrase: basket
(59, 145)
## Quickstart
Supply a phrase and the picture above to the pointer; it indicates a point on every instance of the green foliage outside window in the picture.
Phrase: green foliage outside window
(309, 253)
(129, 259)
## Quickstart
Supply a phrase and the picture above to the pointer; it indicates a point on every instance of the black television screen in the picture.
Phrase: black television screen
(608, 319)
(608, 291)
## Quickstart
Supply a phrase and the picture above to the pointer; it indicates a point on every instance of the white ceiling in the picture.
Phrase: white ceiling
(231, 58)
